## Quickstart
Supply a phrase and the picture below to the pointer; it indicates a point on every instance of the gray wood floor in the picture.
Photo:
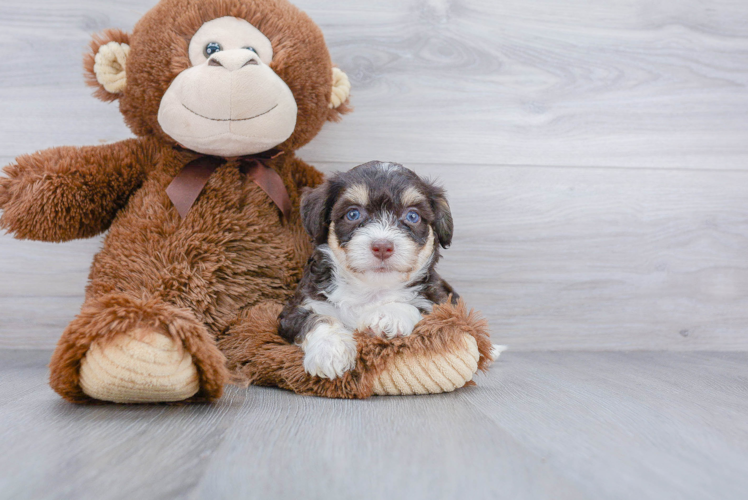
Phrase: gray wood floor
(551, 425)
(596, 157)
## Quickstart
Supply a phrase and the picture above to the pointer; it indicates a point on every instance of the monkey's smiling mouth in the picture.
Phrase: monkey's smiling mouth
(229, 119)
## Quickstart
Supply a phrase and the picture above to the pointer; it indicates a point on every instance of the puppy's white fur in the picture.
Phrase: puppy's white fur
(329, 350)
(403, 266)
(390, 320)
(361, 259)
(367, 293)
(387, 166)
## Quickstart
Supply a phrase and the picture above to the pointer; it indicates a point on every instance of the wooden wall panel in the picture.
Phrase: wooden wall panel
(619, 84)
(556, 258)
(595, 155)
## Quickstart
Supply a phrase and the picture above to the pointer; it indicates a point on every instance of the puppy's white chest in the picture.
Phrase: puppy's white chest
(388, 312)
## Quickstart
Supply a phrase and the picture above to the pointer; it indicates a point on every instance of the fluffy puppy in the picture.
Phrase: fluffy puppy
(377, 230)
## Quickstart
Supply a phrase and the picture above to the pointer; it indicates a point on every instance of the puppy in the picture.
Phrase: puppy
(377, 230)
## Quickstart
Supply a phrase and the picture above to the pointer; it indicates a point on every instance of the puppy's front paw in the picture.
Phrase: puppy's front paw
(329, 350)
(391, 320)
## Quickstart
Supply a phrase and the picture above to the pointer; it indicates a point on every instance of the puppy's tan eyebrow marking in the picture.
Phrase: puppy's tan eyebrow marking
(358, 194)
(411, 196)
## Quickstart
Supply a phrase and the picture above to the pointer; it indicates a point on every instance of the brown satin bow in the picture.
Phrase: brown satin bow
(191, 180)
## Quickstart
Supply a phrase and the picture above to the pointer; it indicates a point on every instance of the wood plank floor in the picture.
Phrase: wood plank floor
(638, 425)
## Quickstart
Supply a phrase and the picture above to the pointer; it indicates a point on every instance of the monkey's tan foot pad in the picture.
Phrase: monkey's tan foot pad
(411, 374)
(141, 366)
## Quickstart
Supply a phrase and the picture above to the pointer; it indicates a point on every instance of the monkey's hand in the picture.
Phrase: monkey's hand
(66, 193)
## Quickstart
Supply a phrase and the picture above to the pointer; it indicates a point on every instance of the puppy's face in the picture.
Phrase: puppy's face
(379, 219)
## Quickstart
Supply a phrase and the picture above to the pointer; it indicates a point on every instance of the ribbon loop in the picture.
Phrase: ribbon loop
(187, 185)
(270, 182)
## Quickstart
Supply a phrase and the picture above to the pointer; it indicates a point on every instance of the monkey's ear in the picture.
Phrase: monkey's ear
(443, 223)
(316, 205)
(106, 65)
(340, 96)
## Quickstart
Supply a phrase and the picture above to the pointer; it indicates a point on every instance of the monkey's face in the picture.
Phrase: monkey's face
(229, 102)
(227, 78)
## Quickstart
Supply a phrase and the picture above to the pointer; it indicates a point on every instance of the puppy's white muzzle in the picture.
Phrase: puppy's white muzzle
(381, 246)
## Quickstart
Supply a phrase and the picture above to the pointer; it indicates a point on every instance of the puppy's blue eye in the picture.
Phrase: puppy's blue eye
(412, 217)
(212, 48)
(353, 214)
(252, 49)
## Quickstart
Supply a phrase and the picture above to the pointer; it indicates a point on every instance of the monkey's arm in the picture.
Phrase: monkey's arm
(65, 193)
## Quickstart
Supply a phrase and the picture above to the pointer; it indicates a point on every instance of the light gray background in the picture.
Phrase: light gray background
(596, 157)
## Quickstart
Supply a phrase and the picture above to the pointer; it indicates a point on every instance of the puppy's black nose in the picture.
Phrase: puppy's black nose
(382, 249)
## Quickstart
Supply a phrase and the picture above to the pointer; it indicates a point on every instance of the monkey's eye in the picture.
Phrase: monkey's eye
(212, 48)
(353, 214)
(412, 217)
(252, 49)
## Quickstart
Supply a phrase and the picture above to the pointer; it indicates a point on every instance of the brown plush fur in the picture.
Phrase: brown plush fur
(258, 355)
(159, 45)
(89, 59)
(104, 317)
(186, 278)
(82, 189)
(213, 273)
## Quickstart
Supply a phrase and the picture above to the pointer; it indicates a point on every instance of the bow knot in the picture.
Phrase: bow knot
(185, 188)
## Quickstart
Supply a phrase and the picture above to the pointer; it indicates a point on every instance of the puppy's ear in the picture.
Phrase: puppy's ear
(315, 211)
(443, 224)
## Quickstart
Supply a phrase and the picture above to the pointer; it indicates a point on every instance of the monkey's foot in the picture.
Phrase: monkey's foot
(419, 373)
(140, 366)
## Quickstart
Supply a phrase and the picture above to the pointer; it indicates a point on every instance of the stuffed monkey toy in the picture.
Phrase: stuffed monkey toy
(204, 241)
